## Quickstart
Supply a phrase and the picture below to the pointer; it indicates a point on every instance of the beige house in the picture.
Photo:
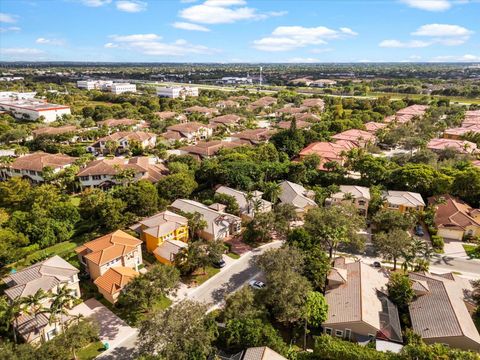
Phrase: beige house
(359, 196)
(246, 203)
(454, 218)
(261, 353)
(358, 307)
(189, 132)
(49, 275)
(403, 201)
(439, 311)
(298, 196)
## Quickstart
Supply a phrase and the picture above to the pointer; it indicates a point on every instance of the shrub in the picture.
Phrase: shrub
(437, 242)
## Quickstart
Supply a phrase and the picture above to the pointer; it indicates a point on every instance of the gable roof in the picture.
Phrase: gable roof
(261, 353)
(169, 248)
(229, 119)
(49, 130)
(118, 122)
(38, 160)
(241, 197)
(188, 127)
(115, 278)
(406, 198)
(356, 191)
(359, 137)
(108, 247)
(373, 126)
(209, 148)
(461, 146)
(127, 135)
(295, 195)
(441, 312)
(44, 275)
(162, 223)
(362, 298)
(453, 213)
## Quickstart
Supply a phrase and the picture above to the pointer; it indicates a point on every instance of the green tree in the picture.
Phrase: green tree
(386, 220)
(316, 312)
(243, 304)
(176, 186)
(400, 290)
(181, 332)
(391, 245)
(141, 198)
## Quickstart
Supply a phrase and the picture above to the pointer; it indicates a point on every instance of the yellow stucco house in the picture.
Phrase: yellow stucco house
(403, 201)
(165, 235)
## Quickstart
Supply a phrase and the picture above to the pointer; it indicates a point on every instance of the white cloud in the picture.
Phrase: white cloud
(348, 31)
(188, 1)
(95, 3)
(131, 6)
(303, 60)
(20, 51)
(454, 58)
(9, 28)
(442, 30)
(8, 18)
(152, 44)
(223, 12)
(404, 44)
(110, 45)
(429, 5)
(285, 38)
(45, 41)
(189, 26)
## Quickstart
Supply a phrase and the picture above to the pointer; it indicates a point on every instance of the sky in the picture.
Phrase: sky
(235, 31)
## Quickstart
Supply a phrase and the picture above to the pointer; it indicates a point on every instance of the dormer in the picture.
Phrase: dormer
(420, 287)
(337, 277)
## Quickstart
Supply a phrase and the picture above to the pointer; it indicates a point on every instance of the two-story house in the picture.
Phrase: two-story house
(188, 132)
(247, 203)
(49, 276)
(297, 196)
(123, 139)
(109, 260)
(403, 201)
(359, 196)
(165, 234)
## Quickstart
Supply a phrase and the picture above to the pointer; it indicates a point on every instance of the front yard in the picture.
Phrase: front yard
(199, 277)
(473, 251)
(91, 351)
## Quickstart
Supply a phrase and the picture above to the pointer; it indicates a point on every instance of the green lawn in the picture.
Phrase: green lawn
(472, 251)
(91, 351)
(199, 277)
(233, 255)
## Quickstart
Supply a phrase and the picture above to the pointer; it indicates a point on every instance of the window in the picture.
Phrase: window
(339, 333)
(84, 178)
(328, 331)
(371, 336)
(348, 333)
(361, 202)
(96, 177)
(32, 172)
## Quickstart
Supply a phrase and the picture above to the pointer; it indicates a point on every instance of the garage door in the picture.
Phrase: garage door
(450, 234)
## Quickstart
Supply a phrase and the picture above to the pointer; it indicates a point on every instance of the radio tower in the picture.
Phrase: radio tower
(261, 78)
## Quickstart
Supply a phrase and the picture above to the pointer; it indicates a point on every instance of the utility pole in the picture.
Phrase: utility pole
(261, 78)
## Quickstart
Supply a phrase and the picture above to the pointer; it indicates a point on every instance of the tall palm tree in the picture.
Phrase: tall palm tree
(60, 302)
(10, 312)
(34, 304)
(273, 190)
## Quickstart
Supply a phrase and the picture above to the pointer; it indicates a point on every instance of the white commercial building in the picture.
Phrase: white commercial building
(94, 84)
(25, 106)
(120, 88)
(236, 80)
(177, 92)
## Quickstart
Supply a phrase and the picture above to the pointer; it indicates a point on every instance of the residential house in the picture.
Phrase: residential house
(314, 103)
(115, 123)
(230, 121)
(296, 195)
(290, 110)
(241, 98)
(328, 152)
(49, 275)
(117, 250)
(225, 104)
(264, 102)
(261, 353)
(358, 306)
(123, 139)
(373, 127)
(439, 312)
(285, 125)
(359, 196)
(202, 110)
(31, 166)
(167, 115)
(104, 173)
(206, 149)
(458, 133)
(247, 202)
(53, 131)
(253, 136)
(405, 115)
(220, 225)
(403, 201)
(189, 131)
(460, 146)
(359, 138)
(306, 117)
(454, 218)
(165, 234)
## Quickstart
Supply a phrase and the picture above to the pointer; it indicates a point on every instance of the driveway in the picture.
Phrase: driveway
(112, 329)
(454, 248)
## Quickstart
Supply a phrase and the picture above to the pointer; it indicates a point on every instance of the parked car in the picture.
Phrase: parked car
(377, 264)
(256, 284)
(419, 230)
(219, 264)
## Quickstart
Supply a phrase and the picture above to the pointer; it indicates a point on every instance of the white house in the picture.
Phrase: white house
(177, 91)
(246, 204)
(123, 139)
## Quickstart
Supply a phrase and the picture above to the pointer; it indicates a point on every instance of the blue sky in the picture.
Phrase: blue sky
(240, 30)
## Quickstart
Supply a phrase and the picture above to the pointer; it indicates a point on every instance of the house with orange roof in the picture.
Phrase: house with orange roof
(454, 218)
(112, 250)
(123, 139)
(373, 127)
(460, 146)
(165, 234)
(314, 103)
(328, 151)
(113, 281)
(190, 131)
(358, 137)
(458, 133)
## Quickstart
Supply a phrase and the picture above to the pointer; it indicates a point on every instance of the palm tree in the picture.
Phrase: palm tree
(74, 319)
(10, 312)
(273, 190)
(34, 304)
(60, 301)
(249, 197)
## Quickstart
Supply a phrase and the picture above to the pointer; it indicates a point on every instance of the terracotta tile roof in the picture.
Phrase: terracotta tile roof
(373, 127)
(48, 130)
(461, 146)
(127, 135)
(476, 163)
(454, 213)
(261, 353)
(188, 127)
(229, 119)
(115, 278)
(201, 110)
(471, 121)
(108, 247)
(37, 161)
(359, 137)
(44, 275)
(241, 97)
(314, 102)
(227, 103)
(362, 298)
(306, 117)
(264, 101)
(210, 148)
(300, 124)
(328, 151)
(414, 110)
(441, 312)
(118, 122)
(292, 110)
(254, 135)
(463, 130)
(164, 115)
